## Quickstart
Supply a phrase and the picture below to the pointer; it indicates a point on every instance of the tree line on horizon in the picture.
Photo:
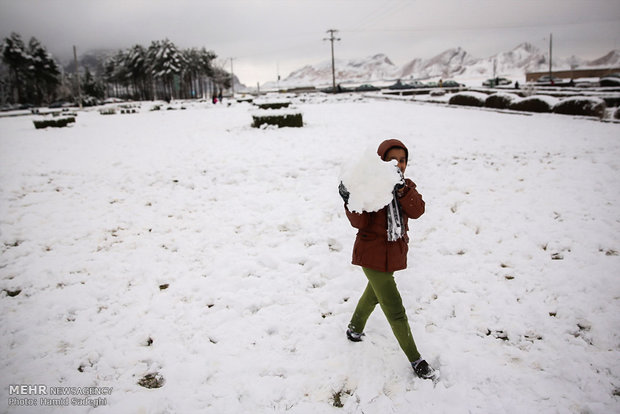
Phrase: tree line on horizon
(30, 75)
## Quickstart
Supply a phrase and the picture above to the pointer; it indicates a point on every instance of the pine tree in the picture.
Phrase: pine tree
(166, 62)
(137, 71)
(34, 75)
(15, 56)
(44, 72)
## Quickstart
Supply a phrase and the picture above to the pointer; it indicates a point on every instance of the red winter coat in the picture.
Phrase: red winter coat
(372, 248)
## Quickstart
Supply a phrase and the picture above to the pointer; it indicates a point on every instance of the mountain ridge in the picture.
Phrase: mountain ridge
(450, 63)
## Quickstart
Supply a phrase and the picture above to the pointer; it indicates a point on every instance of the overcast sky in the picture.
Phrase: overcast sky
(266, 37)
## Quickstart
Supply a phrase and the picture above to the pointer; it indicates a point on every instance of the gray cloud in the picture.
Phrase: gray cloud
(266, 34)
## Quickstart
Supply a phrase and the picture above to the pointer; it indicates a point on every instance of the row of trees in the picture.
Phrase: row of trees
(161, 71)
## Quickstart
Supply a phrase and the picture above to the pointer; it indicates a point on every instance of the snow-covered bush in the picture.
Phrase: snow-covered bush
(247, 99)
(468, 99)
(437, 92)
(613, 81)
(280, 119)
(272, 105)
(54, 123)
(581, 106)
(617, 113)
(536, 103)
(500, 100)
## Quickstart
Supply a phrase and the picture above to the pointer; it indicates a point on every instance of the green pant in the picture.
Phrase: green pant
(382, 290)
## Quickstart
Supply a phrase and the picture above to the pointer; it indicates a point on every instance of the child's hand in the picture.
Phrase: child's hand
(400, 187)
(344, 193)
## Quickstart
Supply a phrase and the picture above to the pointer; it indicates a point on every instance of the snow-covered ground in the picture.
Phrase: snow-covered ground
(512, 289)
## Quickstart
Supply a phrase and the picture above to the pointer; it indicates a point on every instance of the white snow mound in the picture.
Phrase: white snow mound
(370, 181)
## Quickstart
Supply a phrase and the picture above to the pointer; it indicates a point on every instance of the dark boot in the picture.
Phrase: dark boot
(423, 370)
(354, 336)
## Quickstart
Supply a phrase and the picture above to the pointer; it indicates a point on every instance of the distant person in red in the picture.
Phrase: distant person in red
(381, 248)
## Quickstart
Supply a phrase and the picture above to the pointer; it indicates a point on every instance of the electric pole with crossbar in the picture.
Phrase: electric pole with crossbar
(331, 38)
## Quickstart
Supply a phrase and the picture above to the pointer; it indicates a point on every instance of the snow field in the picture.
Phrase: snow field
(511, 289)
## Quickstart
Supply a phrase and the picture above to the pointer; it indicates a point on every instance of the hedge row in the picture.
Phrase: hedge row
(534, 104)
(570, 106)
(54, 123)
(500, 100)
(284, 120)
(468, 99)
(581, 106)
(272, 105)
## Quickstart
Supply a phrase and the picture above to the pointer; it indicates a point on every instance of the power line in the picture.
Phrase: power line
(378, 14)
(442, 28)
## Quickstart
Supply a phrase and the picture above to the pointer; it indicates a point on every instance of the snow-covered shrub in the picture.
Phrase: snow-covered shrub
(272, 105)
(65, 113)
(536, 103)
(107, 111)
(581, 106)
(613, 81)
(285, 119)
(500, 100)
(617, 113)
(437, 92)
(468, 99)
(54, 123)
(247, 99)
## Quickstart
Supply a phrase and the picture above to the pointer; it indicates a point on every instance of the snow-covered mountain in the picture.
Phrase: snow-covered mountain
(521, 59)
(357, 70)
(453, 63)
(610, 59)
(447, 64)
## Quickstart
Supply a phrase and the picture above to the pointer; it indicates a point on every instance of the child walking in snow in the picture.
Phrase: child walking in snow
(381, 249)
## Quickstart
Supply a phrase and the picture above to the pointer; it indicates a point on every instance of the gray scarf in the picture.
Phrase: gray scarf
(395, 226)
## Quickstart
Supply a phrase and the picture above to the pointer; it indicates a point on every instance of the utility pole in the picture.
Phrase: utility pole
(77, 76)
(331, 38)
(550, 48)
(232, 77)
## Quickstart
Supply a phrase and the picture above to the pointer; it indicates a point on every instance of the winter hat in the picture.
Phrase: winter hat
(388, 144)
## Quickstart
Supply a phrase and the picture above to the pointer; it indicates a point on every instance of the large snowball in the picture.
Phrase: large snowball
(370, 181)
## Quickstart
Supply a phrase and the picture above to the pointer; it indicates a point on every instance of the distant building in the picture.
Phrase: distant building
(572, 74)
